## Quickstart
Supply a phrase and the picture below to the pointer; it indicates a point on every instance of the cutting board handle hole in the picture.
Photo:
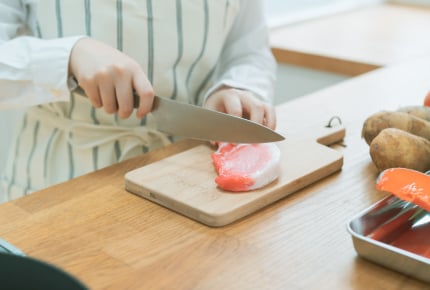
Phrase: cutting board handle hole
(333, 120)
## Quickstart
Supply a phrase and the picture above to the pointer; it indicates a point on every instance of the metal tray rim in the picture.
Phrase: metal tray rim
(379, 243)
(386, 246)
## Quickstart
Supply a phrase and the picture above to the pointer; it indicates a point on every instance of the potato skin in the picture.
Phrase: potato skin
(379, 121)
(393, 147)
(418, 111)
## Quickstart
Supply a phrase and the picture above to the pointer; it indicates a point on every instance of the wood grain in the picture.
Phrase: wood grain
(320, 62)
(357, 41)
(185, 182)
(112, 239)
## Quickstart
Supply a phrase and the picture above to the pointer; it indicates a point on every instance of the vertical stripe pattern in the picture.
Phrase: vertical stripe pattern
(180, 47)
(59, 22)
(88, 17)
(69, 146)
(30, 159)
(119, 30)
(93, 110)
(38, 31)
(150, 32)
(203, 47)
(150, 72)
(119, 45)
(227, 4)
(14, 165)
(47, 155)
(177, 44)
(204, 84)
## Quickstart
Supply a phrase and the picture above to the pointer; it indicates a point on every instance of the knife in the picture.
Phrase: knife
(191, 121)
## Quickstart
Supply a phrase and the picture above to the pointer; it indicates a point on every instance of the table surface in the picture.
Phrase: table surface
(111, 239)
(355, 42)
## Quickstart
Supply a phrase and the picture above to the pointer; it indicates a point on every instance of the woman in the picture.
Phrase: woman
(212, 53)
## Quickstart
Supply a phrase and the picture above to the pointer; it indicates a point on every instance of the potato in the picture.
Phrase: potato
(400, 120)
(397, 148)
(418, 111)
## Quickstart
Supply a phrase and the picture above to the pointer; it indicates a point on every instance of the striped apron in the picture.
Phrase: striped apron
(177, 47)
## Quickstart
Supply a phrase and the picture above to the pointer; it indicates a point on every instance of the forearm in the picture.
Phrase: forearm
(254, 73)
(32, 70)
(247, 62)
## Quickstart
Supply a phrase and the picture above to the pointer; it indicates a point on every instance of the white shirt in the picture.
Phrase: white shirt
(35, 71)
(187, 51)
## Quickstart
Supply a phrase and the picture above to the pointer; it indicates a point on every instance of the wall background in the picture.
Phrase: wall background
(292, 81)
(282, 12)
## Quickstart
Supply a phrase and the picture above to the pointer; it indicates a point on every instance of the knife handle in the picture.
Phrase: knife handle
(136, 100)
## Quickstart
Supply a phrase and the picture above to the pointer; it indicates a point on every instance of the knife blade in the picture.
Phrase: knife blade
(194, 122)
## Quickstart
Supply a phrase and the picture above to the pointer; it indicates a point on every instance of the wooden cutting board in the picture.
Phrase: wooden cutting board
(185, 182)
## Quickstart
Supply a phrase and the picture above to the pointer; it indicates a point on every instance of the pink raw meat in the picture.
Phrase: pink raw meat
(244, 167)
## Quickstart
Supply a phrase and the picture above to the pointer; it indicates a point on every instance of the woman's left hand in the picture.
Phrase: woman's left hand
(242, 103)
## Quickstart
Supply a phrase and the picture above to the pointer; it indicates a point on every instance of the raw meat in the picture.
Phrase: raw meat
(407, 184)
(245, 167)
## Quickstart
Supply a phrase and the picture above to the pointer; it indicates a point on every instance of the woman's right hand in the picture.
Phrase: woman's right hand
(109, 78)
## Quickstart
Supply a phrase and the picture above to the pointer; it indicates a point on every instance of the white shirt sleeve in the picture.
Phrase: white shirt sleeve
(247, 61)
(32, 70)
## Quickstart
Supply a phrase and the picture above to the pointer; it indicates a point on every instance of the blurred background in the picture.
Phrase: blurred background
(292, 80)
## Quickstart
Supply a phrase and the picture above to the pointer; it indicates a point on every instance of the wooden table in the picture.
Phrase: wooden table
(111, 239)
(355, 42)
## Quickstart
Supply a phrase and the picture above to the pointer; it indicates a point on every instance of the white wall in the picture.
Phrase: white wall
(416, 2)
(283, 12)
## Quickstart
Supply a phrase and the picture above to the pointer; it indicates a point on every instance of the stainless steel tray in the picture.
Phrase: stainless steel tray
(393, 233)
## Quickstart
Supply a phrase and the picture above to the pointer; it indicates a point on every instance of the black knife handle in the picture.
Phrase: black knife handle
(136, 100)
